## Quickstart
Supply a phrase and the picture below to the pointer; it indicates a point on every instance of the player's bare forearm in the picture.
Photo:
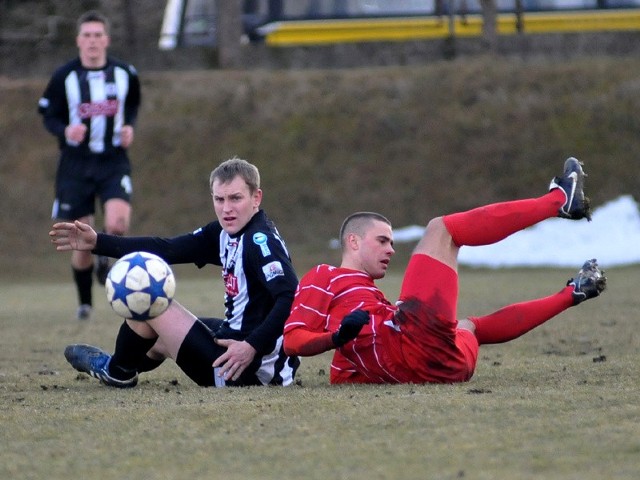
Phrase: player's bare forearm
(67, 236)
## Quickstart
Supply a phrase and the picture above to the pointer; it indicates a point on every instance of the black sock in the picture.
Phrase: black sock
(130, 352)
(149, 364)
(84, 281)
(103, 262)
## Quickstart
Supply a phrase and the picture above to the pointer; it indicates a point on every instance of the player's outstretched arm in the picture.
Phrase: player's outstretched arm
(305, 342)
(68, 236)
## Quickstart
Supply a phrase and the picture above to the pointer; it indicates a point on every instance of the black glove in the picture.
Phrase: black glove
(350, 327)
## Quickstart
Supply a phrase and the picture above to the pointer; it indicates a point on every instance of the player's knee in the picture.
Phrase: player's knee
(466, 324)
(437, 243)
(81, 259)
(118, 226)
(437, 226)
(117, 216)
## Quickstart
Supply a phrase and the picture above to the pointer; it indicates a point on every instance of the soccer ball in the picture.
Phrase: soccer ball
(140, 286)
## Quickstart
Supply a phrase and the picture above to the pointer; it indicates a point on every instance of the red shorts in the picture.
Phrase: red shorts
(426, 345)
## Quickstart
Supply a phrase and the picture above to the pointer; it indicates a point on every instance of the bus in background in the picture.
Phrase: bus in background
(282, 23)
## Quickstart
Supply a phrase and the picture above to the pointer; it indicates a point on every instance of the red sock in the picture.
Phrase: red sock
(492, 223)
(514, 320)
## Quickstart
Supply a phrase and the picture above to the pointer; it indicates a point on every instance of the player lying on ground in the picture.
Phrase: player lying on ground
(259, 286)
(419, 339)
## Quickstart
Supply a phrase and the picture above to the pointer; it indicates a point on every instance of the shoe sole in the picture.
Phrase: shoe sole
(577, 174)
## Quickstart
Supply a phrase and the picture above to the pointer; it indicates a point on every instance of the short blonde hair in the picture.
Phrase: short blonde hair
(236, 167)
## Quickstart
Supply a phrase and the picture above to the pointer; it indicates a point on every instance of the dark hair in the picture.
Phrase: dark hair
(358, 222)
(234, 167)
(93, 16)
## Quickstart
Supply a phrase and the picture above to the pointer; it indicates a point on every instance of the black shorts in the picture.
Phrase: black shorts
(199, 350)
(83, 178)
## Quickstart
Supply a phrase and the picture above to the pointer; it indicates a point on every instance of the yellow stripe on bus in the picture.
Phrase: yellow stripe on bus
(317, 32)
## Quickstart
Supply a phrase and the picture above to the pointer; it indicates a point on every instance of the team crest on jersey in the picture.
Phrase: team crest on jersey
(260, 239)
(110, 89)
(95, 75)
(272, 270)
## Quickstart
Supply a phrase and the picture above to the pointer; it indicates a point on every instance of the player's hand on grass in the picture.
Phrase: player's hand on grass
(73, 236)
(234, 361)
(350, 327)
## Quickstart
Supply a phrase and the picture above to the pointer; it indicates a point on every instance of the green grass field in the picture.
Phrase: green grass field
(562, 402)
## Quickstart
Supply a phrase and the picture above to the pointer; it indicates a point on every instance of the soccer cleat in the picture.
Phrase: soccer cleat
(571, 182)
(102, 269)
(95, 362)
(84, 312)
(589, 283)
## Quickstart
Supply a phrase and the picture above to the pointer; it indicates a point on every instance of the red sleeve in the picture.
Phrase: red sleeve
(306, 331)
(305, 343)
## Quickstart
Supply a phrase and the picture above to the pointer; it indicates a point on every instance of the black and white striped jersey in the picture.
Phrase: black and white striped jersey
(104, 99)
(258, 276)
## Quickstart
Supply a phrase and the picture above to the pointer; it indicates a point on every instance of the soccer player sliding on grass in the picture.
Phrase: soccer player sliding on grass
(420, 339)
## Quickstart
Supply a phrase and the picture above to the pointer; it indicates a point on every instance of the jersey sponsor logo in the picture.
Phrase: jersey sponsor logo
(108, 108)
(231, 285)
(272, 270)
(260, 239)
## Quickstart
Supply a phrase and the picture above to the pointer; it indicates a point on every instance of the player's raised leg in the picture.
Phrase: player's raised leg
(492, 223)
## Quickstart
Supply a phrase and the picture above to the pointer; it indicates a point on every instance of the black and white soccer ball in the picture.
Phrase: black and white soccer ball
(140, 286)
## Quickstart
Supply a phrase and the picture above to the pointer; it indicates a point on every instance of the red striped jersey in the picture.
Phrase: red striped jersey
(323, 297)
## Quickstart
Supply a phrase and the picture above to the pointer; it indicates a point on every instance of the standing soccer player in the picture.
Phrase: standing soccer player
(90, 105)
